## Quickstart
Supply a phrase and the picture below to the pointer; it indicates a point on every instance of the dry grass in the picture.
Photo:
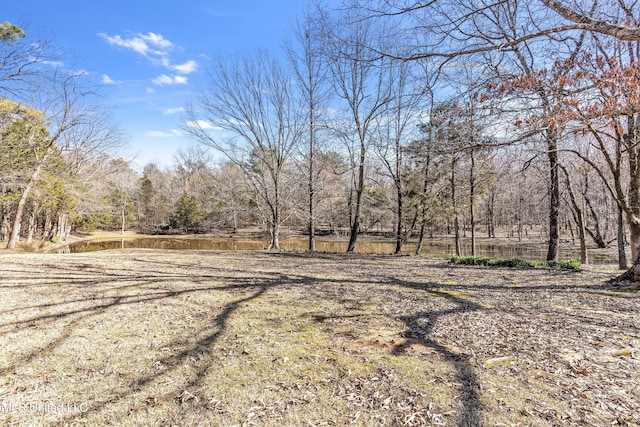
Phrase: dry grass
(141, 337)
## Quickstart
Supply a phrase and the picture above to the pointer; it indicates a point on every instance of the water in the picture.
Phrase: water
(432, 248)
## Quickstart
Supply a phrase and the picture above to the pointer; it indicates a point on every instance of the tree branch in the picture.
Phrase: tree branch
(585, 22)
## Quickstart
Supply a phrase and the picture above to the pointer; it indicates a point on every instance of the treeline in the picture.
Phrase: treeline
(457, 117)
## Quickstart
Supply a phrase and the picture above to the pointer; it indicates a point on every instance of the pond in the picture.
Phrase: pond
(433, 248)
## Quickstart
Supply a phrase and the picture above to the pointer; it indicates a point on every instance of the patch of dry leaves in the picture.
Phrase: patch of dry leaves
(143, 337)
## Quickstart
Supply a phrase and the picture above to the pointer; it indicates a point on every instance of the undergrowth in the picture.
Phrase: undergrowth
(514, 262)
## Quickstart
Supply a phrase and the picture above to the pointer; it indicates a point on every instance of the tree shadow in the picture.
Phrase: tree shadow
(419, 326)
(162, 281)
(64, 315)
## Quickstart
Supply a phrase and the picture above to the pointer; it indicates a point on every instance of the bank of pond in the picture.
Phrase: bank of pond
(437, 248)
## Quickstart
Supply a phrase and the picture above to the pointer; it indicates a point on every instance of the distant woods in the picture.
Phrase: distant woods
(511, 119)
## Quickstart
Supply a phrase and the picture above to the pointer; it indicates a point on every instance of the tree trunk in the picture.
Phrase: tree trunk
(62, 227)
(423, 210)
(15, 229)
(456, 225)
(456, 220)
(312, 226)
(554, 197)
(399, 198)
(274, 227)
(48, 226)
(596, 234)
(32, 222)
(399, 217)
(4, 228)
(622, 254)
(235, 220)
(355, 226)
(472, 218)
(122, 213)
(634, 232)
(632, 139)
(274, 243)
(420, 238)
(491, 227)
(579, 219)
(312, 219)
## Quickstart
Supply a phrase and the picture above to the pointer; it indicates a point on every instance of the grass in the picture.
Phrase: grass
(514, 262)
(143, 337)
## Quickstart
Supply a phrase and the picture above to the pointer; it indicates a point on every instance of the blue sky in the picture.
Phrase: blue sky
(150, 56)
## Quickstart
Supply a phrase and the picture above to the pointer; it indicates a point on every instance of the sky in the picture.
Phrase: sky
(150, 56)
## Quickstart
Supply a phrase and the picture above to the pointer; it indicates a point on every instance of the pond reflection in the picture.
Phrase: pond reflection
(432, 248)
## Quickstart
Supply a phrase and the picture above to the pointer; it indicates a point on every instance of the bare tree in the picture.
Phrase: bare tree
(60, 101)
(157, 197)
(611, 121)
(447, 29)
(509, 38)
(361, 83)
(250, 114)
(23, 62)
(125, 182)
(311, 72)
(580, 223)
(397, 126)
(621, 27)
(232, 196)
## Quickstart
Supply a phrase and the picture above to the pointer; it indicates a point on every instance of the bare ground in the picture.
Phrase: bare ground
(142, 337)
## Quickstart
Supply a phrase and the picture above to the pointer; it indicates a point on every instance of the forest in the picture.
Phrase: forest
(496, 119)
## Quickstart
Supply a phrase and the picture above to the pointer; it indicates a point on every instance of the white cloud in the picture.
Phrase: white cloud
(157, 40)
(156, 48)
(150, 90)
(186, 68)
(161, 134)
(54, 64)
(182, 80)
(144, 44)
(202, 124)
(106, 80)
(164, 79)
(173, 110)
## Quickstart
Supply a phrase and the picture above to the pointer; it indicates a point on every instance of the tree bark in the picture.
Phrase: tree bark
(491, 201)
(399, 220)
(622, 254)
(584, 259)
(472, 218)
(554, 197)
(423, 207)
(312, 219)
(355, 226)
(456, 220)
(15, 229)
(32, 222)
(63, 227)
(274, 226)
(4, 227)
(48, 226)
(596, 234)
(589, 23)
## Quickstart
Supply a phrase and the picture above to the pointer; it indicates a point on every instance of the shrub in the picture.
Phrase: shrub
(514, 262)
(188, 214)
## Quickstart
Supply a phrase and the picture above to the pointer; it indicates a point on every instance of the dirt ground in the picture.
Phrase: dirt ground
(190, 338)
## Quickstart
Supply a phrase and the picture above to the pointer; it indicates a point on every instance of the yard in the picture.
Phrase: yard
(189, 338)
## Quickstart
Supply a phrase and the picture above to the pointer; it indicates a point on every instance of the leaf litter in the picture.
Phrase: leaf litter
(142, 337)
